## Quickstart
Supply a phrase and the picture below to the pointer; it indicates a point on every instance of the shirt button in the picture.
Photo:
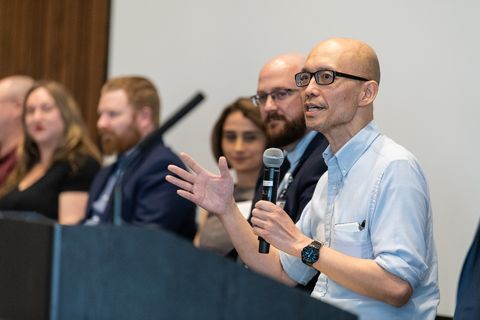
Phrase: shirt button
(334, 187)
(320, 289)
(105, 197)
(328, 221)
(344, 171)
(96, 218)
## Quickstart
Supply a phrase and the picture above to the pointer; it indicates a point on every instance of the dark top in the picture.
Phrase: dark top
(147, 198)
(468, 295)
(42, 196)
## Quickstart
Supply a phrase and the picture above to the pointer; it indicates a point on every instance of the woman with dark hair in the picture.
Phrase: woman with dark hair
(238, 135)
(57, 160)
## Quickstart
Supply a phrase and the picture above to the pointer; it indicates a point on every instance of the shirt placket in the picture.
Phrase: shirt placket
(334, 178)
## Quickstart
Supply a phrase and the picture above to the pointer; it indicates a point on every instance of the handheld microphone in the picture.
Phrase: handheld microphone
(272, 159)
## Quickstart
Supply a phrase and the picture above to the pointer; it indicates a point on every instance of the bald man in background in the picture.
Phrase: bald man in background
(281, 110)
(368, 228)
(12, 95)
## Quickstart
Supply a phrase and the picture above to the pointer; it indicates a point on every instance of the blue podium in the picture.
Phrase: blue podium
(50, 271)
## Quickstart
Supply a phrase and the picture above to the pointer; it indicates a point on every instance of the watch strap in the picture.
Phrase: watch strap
(316, 244)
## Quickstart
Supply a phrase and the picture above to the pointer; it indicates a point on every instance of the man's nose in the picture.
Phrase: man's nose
(312, 87)
(270, 104)
(102, 122)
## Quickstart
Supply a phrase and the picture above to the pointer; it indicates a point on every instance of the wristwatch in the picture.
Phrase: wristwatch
(310, 253)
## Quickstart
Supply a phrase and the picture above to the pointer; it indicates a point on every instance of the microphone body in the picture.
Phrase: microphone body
(272, 159)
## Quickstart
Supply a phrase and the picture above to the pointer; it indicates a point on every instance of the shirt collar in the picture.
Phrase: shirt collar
(121, 158)
(348, 155)
(129, 151)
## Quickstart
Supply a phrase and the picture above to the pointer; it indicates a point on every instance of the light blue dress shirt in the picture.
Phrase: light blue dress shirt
(373, 179)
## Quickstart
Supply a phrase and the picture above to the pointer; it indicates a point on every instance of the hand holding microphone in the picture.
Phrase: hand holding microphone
(272, 159)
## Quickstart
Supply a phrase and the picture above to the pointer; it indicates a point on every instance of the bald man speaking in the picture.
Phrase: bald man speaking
(368, 228)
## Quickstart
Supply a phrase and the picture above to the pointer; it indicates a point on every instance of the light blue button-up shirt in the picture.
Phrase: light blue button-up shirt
(373, 179)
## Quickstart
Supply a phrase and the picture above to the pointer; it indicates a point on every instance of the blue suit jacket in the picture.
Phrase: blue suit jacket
(305, 178)
(468, 295)
(147, 197)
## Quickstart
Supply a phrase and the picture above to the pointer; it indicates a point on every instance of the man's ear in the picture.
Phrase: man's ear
(145, 114)
(369, 93)
(18, 107)
(144, 117)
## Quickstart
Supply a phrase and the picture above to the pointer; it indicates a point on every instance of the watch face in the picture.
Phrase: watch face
(310, 254)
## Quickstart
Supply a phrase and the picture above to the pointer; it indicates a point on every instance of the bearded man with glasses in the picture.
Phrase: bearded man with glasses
(368, 228)
(281, 111)
(282, 114)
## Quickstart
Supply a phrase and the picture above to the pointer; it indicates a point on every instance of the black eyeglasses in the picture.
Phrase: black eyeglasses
(280, 94)
(322, 77)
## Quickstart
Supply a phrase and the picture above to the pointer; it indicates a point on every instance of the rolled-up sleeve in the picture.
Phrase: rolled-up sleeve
(399, 221)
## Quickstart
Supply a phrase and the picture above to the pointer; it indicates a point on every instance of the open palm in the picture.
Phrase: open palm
(211, 192)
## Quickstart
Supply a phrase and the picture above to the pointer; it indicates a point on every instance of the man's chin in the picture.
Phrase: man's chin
(109, 146)
(109, 151)
(275, 123)
(276, 127)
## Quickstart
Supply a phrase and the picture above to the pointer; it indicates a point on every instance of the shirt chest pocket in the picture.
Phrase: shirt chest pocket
(355, 244)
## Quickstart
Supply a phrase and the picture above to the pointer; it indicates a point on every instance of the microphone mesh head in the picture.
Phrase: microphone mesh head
(273, 158)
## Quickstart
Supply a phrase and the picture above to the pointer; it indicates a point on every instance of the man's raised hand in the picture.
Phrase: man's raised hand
(211, 192)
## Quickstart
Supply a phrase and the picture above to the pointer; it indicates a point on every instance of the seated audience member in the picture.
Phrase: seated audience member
(368, 228)
(12, 94)
(57, 160)
(238, 135)
(129, 110)
(468, 294)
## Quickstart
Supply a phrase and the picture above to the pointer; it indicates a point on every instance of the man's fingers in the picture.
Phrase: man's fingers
(187, 186)
(185, 175)
(192, 164)
(187, 195)
(223, 166)
(259, 215)
(259, 227)
(265, 205)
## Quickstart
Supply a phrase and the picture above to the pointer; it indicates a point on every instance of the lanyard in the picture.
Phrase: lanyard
(281, 198)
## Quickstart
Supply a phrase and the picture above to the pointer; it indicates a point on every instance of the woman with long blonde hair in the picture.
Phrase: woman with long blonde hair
(57, 160)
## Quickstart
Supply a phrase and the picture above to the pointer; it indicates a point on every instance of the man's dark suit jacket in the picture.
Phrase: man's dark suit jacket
(468, 295)
(148, 199)
(305, 177)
